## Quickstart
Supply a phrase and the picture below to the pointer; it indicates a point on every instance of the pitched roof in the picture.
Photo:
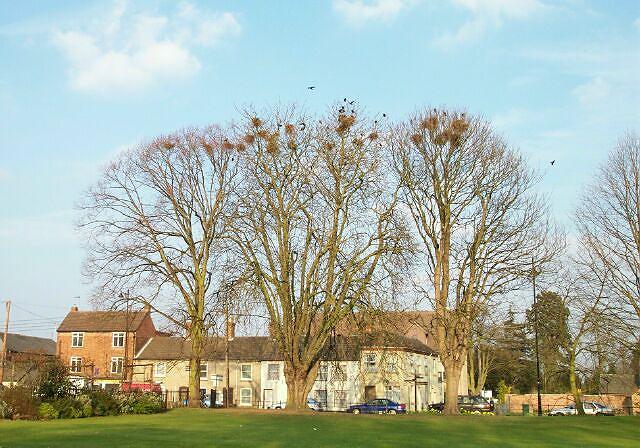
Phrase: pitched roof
(102, 321)
(20, 343)
(263, 348)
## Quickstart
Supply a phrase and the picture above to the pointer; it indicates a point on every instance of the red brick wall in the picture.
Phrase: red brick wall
(145, 331)
(550, 401)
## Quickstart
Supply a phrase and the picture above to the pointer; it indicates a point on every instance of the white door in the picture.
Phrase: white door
(268, 398)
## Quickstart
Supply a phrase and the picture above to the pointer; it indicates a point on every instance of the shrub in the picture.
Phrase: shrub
(52, 382)
(139, 402)
(48, 412)
(103, 403)
(5, 410)
(69, 407)
(18, 402)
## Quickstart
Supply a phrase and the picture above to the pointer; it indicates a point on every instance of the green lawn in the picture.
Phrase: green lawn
(219, 428)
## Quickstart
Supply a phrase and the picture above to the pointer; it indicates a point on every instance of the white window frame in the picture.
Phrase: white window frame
(76, 337)
(117, 360)
(242, 396)
(371, 362)
(160, 372)
(206, 371)
(119, 335)
(75, 364)
(323, 372)
(273, 368)
(323, 400)
(243, 377)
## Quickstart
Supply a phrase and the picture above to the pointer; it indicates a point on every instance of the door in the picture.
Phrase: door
(369, 393)
(267, 398)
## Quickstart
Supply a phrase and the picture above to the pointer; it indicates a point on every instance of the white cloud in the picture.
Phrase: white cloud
(358, 12)
(593, 91)
(130, 51)
(486, 14)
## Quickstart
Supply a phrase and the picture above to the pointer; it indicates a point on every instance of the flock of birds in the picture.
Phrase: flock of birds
(342, 110)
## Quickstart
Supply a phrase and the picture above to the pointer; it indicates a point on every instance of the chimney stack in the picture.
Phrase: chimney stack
(74, 308)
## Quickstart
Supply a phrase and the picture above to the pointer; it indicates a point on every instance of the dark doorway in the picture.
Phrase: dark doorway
(369, 392)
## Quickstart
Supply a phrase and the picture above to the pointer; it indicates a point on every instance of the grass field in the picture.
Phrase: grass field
(235, 428)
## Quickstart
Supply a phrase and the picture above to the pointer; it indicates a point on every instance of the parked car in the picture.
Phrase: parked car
(590, 408)
(469, 403)
(314, 404)
(378, 406)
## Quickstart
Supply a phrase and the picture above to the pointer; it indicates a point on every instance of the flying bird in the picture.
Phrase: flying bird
(311, 87)
(351, 102)
(384, 115)
(303, 125)
(553, 162)
(345, 100)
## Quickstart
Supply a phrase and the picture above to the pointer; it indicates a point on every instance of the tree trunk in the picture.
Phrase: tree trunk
(197, 342)
(452, 369)
(299, 382)
(577, 396)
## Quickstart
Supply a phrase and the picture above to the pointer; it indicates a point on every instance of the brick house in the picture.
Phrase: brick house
(99, 346)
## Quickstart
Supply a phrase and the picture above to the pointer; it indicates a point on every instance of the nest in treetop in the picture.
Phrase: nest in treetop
(207, 147)
(373, 136)
(441, 138)
(430, 124)
(291, 144)
(168, 144)
(345, 122)
(358, 143)
(459, 126)
(226, 144)
(289, 129)
(240, 147)
(249, 139)
(329, 145)
(416, 139)
(263, 134)
(272, 143)
(256, 122)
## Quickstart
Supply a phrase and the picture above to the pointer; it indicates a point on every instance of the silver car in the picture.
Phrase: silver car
(590, 408)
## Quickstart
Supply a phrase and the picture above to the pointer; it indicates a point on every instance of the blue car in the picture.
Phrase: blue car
(378, 406)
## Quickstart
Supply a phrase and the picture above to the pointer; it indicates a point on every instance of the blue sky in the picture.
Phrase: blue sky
(80, 81)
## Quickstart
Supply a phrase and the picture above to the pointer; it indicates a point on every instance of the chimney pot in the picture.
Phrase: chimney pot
(74, 308)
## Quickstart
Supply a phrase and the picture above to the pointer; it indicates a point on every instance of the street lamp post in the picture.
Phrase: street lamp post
(535, 327)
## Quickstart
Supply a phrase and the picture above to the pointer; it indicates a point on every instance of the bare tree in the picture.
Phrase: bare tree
(155, 224)
(480, 223)
(316, 228)
(481, 354)
(608, 221)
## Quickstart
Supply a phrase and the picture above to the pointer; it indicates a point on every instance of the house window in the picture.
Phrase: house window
(322, 372)
(204, 371)
(245, 397)
(321, 397)
(77, 339)
(161, 369)
(76, 364)
(340, 398)
(118, 339)
(370, 362)
(440, 377)
(339, 372)
(392, 393)
(273, 372)
(116, 364)
(392, 364)
(245, 372)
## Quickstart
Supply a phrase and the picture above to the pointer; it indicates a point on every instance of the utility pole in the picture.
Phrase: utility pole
(534, 274)
(4, 340)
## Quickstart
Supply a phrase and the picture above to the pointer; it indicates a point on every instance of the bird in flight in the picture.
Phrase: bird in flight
(311, 87)
(351, 102)
(552, 162)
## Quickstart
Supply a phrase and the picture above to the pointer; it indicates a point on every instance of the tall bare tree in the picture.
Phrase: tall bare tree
(155, 224)
(478, 219)
(608, 221)
(316, 228)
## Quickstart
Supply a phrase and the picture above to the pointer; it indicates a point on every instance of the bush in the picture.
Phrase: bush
(103, 403)
(69, 408)
(47, 411)
(18, 403)
(52, 382)
(140, 402)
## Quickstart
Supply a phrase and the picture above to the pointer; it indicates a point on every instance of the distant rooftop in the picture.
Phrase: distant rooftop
(20, 343)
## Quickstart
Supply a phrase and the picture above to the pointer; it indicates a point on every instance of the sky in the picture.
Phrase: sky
(81, 81)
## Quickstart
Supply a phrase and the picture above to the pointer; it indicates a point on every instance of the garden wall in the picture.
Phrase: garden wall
(621, 403)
